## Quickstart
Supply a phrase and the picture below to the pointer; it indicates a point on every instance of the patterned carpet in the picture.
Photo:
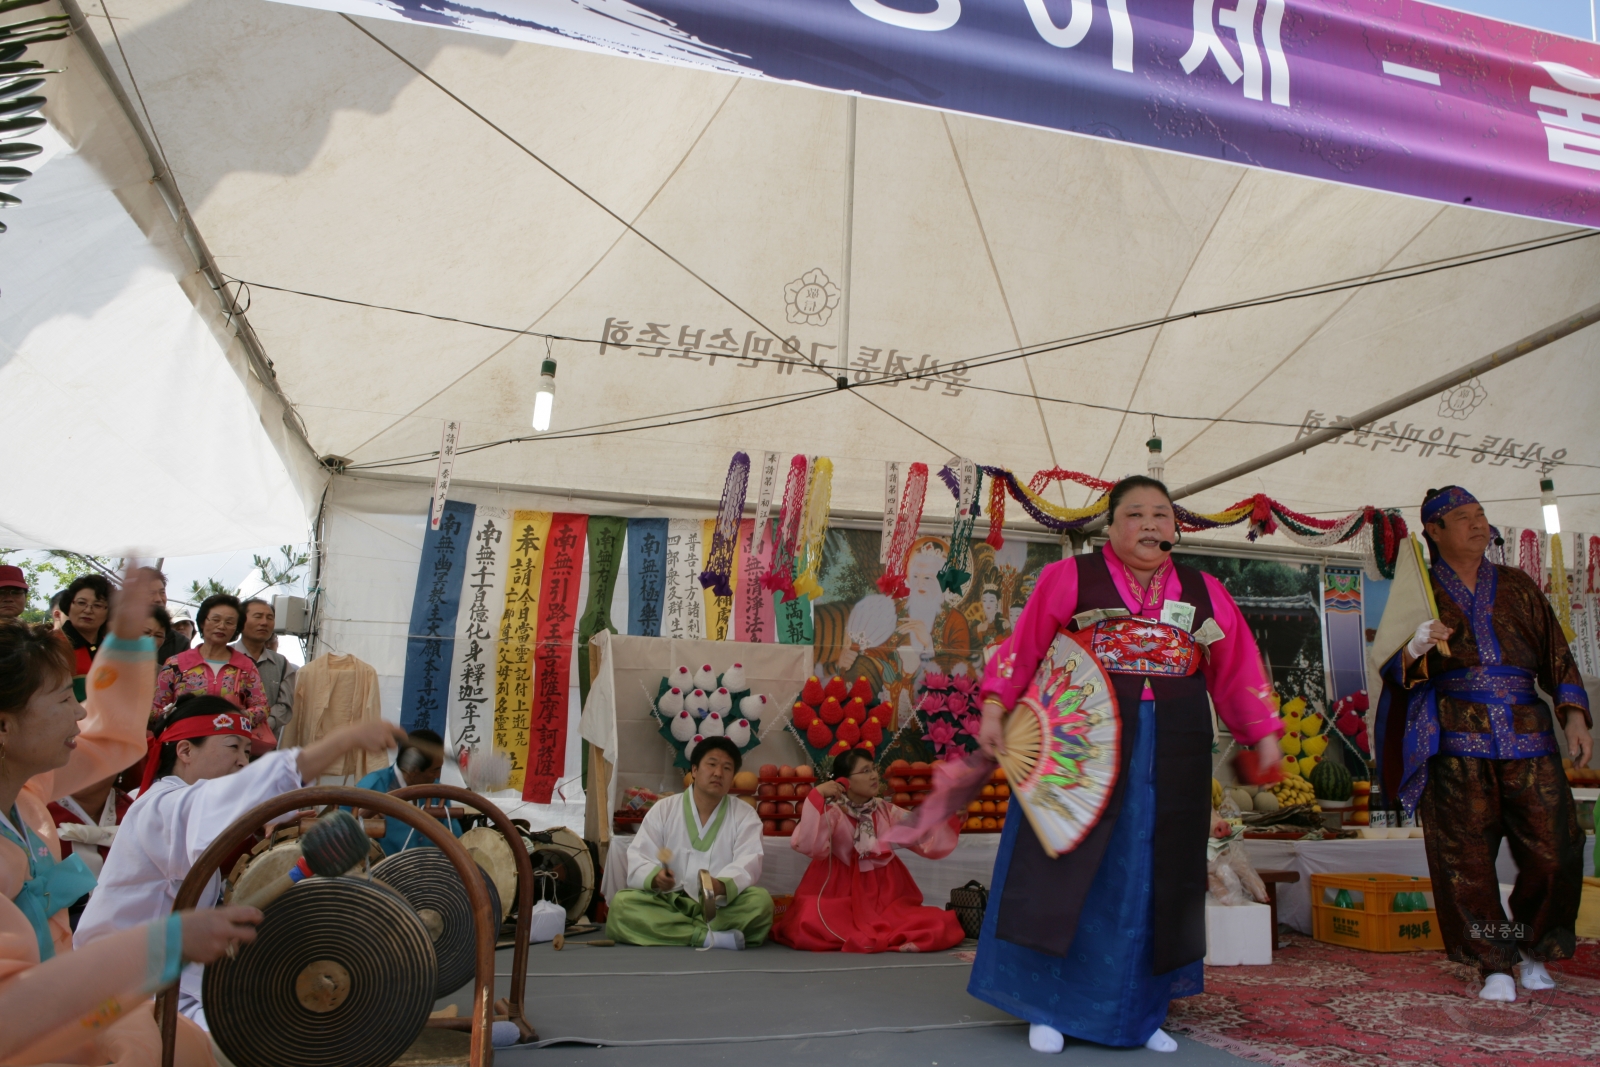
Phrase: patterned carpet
(1323, 1005)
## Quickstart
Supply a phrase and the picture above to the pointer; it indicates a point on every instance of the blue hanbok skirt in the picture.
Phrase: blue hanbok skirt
(1102, 989)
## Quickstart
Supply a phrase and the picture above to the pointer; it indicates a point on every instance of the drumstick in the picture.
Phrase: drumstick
(484, 772)
(664, 857)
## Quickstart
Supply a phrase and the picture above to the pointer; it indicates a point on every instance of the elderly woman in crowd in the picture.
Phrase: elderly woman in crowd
(86, 603)
(213, 667)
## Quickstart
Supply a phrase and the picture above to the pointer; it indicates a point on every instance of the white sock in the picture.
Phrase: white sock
(1161, 1041)
(1498, 987)
(729, 939)
(1042, 1038)
(1534, 975)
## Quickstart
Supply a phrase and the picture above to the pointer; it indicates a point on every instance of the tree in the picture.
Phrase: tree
(274, 572)
(55, 572)
(211, 587)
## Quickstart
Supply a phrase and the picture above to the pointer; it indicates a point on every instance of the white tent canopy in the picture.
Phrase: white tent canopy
(313, 159)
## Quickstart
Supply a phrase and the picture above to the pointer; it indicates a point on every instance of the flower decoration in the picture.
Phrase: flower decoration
(949, 712)
(811, 298)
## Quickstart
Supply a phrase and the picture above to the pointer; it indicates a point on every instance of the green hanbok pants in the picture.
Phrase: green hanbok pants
(645, 917)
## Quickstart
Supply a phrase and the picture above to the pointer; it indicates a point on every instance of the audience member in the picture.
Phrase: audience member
(277, 673)
(87, 603)
(13, 593)
(214, 667)
(184, 627)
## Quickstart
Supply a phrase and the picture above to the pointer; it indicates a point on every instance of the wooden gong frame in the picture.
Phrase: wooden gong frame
(519, 852)
(481, 1051)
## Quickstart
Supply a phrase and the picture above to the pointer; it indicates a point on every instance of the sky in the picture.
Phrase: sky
(1575, 18)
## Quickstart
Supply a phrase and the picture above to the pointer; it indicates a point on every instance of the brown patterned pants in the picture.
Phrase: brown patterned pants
(1469, 806)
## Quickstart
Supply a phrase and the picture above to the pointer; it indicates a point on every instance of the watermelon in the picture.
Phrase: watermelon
(1331, 781)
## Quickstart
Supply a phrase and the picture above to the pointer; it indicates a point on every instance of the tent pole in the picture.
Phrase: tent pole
(1498, 358)
(847, 248)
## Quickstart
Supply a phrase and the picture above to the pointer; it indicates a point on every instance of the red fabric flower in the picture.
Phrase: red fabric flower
(818, 735)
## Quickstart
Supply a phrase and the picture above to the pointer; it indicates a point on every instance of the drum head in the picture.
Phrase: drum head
(488, 846)
(341, 974)
(262, 870)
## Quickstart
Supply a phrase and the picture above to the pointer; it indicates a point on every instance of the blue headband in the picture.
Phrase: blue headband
(1436, 508)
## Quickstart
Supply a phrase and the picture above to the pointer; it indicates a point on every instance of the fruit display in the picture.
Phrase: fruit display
(1582, 777)
(1293, 790)
(987, 814)
(692, 705)
(830, 718)
(780, 792)
(1216, 794)
(1330, 781)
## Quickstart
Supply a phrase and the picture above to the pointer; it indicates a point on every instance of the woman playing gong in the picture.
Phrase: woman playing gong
(1095, 943)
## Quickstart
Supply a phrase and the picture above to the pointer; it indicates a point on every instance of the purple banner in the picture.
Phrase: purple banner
(1387, 94)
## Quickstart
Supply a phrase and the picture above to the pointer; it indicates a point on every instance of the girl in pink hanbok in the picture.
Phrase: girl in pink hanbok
(857, 896)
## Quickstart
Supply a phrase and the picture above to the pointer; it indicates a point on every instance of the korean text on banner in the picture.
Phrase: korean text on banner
(513, 692)
(647, 576)
(483, 598)
(430, 639)
(552, 660)
(1410, 98)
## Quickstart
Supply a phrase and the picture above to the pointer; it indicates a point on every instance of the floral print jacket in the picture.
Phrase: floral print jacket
(188, 672)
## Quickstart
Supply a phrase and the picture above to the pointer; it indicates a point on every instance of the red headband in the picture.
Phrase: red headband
(219, 725)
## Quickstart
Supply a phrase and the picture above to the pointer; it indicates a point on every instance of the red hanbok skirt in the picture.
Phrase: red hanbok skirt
(841, 908)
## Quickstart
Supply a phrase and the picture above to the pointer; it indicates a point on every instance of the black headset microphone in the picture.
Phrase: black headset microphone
(1165, 546)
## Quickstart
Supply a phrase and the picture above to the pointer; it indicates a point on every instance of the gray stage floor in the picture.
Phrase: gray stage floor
(668, 1007)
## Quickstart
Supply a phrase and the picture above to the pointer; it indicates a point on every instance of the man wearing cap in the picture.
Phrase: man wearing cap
(1474, 751)
(13, 593)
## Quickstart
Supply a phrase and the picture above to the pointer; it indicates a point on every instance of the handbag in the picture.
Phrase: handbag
(969, 902)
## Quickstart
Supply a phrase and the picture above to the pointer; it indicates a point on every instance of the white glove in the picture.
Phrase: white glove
(1422, 641)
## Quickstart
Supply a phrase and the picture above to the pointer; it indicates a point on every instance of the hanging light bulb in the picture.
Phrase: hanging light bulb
(1547, 497)
(545, 399)
(1158, 465)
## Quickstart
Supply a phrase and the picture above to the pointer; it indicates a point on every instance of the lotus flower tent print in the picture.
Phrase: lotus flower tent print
(950, 713)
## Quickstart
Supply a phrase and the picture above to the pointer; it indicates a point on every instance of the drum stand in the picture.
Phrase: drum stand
(481, 1051)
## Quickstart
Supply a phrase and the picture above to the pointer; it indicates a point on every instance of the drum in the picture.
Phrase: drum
(488, 846)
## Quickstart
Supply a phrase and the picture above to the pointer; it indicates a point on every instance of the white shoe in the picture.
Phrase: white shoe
(728, 939)
(1161, 1041)
(1498, 987)
(1534, 975)
(1042, 1038)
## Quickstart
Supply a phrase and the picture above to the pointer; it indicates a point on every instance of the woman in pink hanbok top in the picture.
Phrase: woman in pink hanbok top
(857, 896)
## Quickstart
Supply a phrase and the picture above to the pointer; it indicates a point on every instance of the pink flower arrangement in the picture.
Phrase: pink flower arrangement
(949, 710)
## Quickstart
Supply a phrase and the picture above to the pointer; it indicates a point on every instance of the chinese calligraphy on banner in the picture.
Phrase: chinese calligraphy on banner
(430, 643)
(558, 615)
(513, 695)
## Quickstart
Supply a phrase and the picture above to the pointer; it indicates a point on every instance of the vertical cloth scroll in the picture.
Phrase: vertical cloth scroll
(552, 660)
(606, 533)
(647, 576)
(430, 638)
(483, 596)
(513, 695)
(753, 619)
(719, 609)
(683, 615)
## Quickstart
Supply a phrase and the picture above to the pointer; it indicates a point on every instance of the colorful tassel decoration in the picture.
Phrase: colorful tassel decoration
(725, 539)
(893, 582)
(780, 576)
(819, 499)
(997, 514)
(955, 574)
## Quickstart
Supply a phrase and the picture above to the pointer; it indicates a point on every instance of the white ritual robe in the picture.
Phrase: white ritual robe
(161, 836)
(728, 845)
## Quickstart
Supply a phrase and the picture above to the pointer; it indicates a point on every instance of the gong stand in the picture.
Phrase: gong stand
(481, 1052)
(519, 852)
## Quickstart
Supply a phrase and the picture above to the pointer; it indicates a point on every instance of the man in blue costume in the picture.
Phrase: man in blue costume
(412, 766)
(1467, 741)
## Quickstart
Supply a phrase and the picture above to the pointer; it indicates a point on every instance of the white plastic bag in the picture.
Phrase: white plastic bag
(1230, 879)
(546, 921)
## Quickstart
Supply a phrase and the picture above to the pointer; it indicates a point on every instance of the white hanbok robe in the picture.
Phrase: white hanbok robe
(728, 844)
(161, 836)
